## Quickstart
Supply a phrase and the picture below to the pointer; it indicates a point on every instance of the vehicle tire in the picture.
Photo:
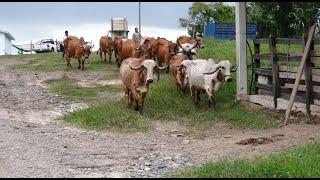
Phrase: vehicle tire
(52, 49)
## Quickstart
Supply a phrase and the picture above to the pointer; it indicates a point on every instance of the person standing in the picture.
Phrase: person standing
(136, 36)
(66, 34)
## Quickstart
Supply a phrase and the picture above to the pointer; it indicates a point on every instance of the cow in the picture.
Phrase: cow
(106, 46)
(117, 46)
(136, 75)
(178, 72)
(134, 49)
(188, 45)
(153, 43)
(188, 49)
(205, 75)
(77, 48)
(166, 49)
(64, 47)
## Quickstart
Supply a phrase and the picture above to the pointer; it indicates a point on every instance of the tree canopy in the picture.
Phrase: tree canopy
(284, 19)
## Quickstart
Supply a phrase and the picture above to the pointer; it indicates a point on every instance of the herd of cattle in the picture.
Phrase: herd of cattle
(140, 60)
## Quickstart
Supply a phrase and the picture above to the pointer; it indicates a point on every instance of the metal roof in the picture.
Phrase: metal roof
(7, 33)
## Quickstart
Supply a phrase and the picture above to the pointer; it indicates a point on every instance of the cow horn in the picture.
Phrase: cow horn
(208, 73)
(234, 69)
(194, 45)
(162, 68)
(179, 44)
(136, 68)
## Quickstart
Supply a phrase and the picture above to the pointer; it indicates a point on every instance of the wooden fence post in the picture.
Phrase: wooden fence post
(256, 65)
(308, 78)
(305, 55)
(275, 69)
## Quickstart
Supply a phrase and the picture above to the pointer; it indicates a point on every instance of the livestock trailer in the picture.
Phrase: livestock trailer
(119, 27)
(227, 31)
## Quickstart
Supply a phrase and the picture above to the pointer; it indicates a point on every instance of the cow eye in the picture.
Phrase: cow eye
(223, 67)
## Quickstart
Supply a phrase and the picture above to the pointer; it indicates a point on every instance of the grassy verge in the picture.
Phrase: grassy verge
(71, 90)
(47, 62)
(303, 161)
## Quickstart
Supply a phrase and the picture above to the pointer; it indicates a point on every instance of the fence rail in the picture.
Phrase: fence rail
(278, 79)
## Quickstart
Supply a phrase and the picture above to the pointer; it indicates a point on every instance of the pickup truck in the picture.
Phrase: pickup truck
(46, 45)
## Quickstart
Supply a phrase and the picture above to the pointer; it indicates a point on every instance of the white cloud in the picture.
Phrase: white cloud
(90, 32)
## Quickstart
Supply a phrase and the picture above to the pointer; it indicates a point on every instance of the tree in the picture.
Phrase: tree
(202, 13)
(284, 19)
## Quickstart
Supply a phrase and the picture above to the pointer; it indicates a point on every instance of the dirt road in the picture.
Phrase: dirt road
(34, 144)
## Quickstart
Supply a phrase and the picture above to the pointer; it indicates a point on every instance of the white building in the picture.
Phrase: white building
(5, 42)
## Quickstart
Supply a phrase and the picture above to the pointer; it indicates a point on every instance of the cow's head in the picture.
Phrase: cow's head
(144, 49)
(87, 48)
(223, 70)
(147, 67)
(188, 49)
(173, 48)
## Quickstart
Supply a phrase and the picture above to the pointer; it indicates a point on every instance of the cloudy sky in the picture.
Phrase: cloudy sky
(35, 21)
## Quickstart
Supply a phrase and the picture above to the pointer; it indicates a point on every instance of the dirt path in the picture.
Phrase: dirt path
(34, 144)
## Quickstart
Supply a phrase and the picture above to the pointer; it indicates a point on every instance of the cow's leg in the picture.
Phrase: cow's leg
(194, 97)
(100, 54)
(198, 95)
(110, 54)
(141, 107)
(105, 56)
(127, 96)
(211, 100)
(82, 64)
(79, 61)
(68, 61)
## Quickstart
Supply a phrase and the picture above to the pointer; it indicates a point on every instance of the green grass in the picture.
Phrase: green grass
(70, 89)
(113, 116)
(48, 62)
(302, 161)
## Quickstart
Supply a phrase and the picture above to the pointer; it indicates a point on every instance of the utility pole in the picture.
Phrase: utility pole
(241, 52)
(139, 19)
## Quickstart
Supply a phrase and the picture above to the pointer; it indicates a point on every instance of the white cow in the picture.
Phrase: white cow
(206, 75)
(188, 49)
(185, 67)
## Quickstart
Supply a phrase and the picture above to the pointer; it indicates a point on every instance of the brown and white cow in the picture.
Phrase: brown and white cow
(178, 72)
(77, 48)
(136, 75)
(106, 46)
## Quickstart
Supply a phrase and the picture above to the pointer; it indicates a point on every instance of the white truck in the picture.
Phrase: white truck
(46, 45)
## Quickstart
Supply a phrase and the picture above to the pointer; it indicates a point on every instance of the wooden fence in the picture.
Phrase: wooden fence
(278, 79)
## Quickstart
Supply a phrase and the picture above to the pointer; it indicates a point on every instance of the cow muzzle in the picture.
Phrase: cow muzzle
(228, 79)
(149, 81)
